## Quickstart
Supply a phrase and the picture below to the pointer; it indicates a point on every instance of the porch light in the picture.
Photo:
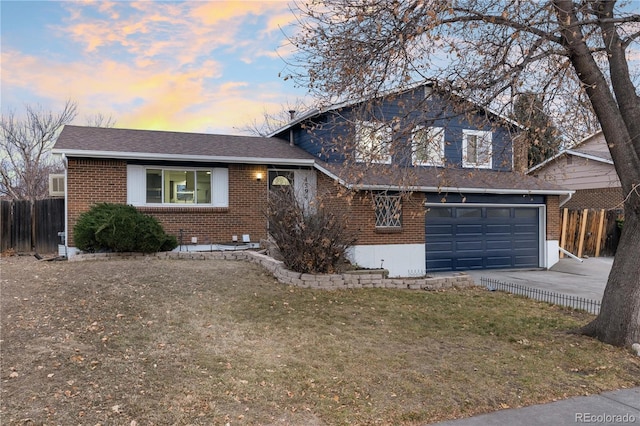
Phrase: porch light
(259, 176)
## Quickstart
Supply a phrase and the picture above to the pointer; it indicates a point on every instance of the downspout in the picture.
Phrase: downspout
(566, 200)
(65, 161)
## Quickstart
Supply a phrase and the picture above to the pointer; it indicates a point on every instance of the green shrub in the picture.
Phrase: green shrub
(120, 228)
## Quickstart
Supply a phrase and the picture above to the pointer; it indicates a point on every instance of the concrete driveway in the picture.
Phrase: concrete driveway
(585, 279)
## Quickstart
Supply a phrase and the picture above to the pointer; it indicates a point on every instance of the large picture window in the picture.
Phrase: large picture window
(373, 142)
(476, 149)
(428, 146)
(177, 186)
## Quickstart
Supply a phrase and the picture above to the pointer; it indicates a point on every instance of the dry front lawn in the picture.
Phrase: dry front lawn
(155, 342)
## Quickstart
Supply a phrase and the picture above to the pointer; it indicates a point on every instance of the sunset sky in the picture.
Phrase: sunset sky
(197, 66)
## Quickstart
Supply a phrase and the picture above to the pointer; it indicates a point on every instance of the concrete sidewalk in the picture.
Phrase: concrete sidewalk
(621, 407)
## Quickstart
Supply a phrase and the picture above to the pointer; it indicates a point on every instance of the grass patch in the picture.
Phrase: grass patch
(216, 342)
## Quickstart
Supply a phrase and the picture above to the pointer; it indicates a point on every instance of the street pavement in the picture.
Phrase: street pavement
(620, 407)
(585, 279)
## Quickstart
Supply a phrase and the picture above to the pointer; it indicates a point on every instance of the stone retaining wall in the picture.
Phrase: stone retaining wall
(320, 281)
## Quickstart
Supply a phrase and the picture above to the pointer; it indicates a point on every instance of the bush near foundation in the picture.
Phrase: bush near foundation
(311, 238)
(120, 228)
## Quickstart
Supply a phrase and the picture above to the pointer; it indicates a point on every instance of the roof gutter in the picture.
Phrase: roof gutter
(589, 156)
(569, 152)
(416, 188)
(182, 157)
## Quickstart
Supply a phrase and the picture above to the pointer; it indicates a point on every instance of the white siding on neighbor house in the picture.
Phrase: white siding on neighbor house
(579, 173)
(401, 260)
(595, 143)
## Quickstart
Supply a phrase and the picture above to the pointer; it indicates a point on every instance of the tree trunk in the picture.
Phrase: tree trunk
(619, 320)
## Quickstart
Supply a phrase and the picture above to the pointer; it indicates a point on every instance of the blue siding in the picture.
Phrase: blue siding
(327, 136)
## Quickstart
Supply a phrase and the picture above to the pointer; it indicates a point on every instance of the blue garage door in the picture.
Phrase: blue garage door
(463, 238)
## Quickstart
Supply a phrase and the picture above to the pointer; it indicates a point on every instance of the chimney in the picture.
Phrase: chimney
(292, 115)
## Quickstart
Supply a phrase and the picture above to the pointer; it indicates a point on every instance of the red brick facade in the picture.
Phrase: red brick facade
(597, 198)
(92, 181)
(553, 217)
(361, 213)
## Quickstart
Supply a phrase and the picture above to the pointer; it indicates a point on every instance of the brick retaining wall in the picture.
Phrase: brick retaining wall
(320, 281)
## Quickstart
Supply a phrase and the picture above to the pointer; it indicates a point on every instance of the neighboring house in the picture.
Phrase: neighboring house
(426, 191)
(588, 169)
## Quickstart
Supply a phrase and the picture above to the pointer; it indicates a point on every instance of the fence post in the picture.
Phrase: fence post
(563, 232)
(583, 227)
(600, 227)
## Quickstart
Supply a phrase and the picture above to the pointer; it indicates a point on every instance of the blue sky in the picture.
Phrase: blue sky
(197, 66)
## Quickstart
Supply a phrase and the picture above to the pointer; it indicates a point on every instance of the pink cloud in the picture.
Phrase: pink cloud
(153, 65)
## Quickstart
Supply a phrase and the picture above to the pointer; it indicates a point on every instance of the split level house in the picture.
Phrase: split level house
(425, 177)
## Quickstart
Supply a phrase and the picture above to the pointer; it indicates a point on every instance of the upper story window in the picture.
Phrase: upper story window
(154, 186)
(373, 142)
(476, 148)
(427, 145)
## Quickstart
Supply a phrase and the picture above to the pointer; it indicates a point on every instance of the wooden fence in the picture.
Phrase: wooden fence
(27, 226)
(590, 232)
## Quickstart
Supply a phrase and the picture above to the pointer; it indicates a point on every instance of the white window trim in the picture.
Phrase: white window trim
(137, 186)
(383, 135)
(57, 185)
(487, 138)
(434, 132)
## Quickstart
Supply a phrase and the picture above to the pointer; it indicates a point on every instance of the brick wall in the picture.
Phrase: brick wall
(599, 198)
(93, 181)
(245, 214)
(553, 217)
(359, 207)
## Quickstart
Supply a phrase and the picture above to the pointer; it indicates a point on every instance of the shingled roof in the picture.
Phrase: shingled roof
(100, 142)
(438, 179)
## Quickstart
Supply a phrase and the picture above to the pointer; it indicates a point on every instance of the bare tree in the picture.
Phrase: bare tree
(100, 120)
(25, 149)
(271, 122)
(490, 51)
